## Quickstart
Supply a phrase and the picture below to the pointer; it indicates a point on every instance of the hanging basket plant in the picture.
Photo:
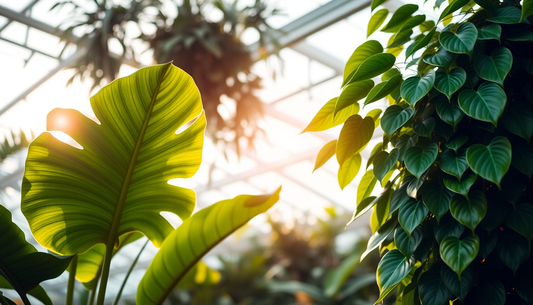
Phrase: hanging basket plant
(454, 221)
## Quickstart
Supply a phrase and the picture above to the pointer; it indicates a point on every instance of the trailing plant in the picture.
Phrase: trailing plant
(455, 218)
(88, 201)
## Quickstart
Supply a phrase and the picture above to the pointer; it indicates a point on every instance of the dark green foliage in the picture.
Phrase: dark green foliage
(462, 127)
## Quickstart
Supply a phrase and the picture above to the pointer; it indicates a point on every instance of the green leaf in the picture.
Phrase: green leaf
(384, 162)
(20, 263)
(399, 18)
(425, 127)
(376, 3)
(448, 226)
(432, 289)
(454, 6)
(506, 15)
(469, 211)
(366, 186)
(410, 295)
(381, 234)
(513, 249)
(436, 198)
(186, 245)
(351, 94)
(392, 269)
(373, 153)
(420, 43)
(443, 58)
(453, 163)
(449, 111)
(427, 26)
(124, 166)
(459, 253)
(490, 162)
(376, 21)
(404, 143)
(375, 114)
(363, 52)
(395, 117)
(408, 244)
(400, 197)
(411, 214)
(456, 142)
(488, 32)
(325, 154)
(485, 104)
(326, 119)
(460, 186)
(462, 41)
(491, 294)
(518, 120)
(373, 66)
(354, 136)
(458, 286)
(37, 292)
(337, 276)
(521, 219)
(412, 22)
(496, 66)
(527, 9)
(349, 170)
(418, 160)
(415, 88)
(294, 287)
(449, 83)
(383, 89)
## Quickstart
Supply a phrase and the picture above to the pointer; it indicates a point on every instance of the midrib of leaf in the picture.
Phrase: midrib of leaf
(14, 283)
(113, 234)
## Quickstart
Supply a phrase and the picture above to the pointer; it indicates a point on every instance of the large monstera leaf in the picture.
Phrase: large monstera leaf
(184, 247)
(76, 198)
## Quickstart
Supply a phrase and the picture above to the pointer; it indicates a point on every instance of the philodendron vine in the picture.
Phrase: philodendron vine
(87, 202)
(454, 221)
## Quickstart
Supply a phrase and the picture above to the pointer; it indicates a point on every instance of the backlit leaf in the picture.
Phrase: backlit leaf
(376, 21)
(349, 170)
(325, 154)
(351, 94)
(363, 52)
(354, 136)
(399, 18)
(325, 118)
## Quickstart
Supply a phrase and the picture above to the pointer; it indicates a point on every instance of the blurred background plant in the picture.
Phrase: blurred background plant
(203, 37)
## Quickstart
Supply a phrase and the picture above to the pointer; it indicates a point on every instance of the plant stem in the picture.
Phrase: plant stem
(119, 294)
(95, 285)
(105, 273)
(71, 280)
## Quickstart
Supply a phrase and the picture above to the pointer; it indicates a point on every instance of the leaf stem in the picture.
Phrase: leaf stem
(3, 300)
(105, 274)
(119, 294)
(95, 285)
(71, 280)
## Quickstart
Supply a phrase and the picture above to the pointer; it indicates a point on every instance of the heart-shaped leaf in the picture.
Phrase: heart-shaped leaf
(518, 120)
(462, 41)
(491, 31)
(366, 186)
(376, 3)
(415, 88)
(375, 114)
(436, 198)
(513, 249)
(352, 93)
(453, 163)
(186, 245)
(457, 142)
(325, 154)
(490, 162)
(417, 45)
(400, 197)
(408, 244)
(366, 204)
(383, 89)
(469, 211)
(449, 111)
(381, 234)
(411, 214)
(412, 22)
(362, 53)
(491, 294)
(373, 66)
(376, 21)
(399, 17)
(449, 83)
(459, 287)
(506, 15)
(521, 219)
(460, 186)
(459, 253)
(349, 170)
(448, 226)
(454, 6)
(432, 288)
(384, 162)
(354, 136)
(443, 58)
(403, 143)
(425, 127)
(395, 117)
(123, 169)
(392, 269)
(418, 160)
(485, 104)
(326, 119)
(416, 185)
(496, 66)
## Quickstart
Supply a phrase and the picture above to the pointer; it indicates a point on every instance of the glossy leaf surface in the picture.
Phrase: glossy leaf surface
(462, 41)
(496, 66)
(459, 253)
(469, 211)
(418, 160)
(415, 87)
(395, 117)
(485, 104)
(437, 198)
(490, 162)
(449, 83)
(392, 269)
